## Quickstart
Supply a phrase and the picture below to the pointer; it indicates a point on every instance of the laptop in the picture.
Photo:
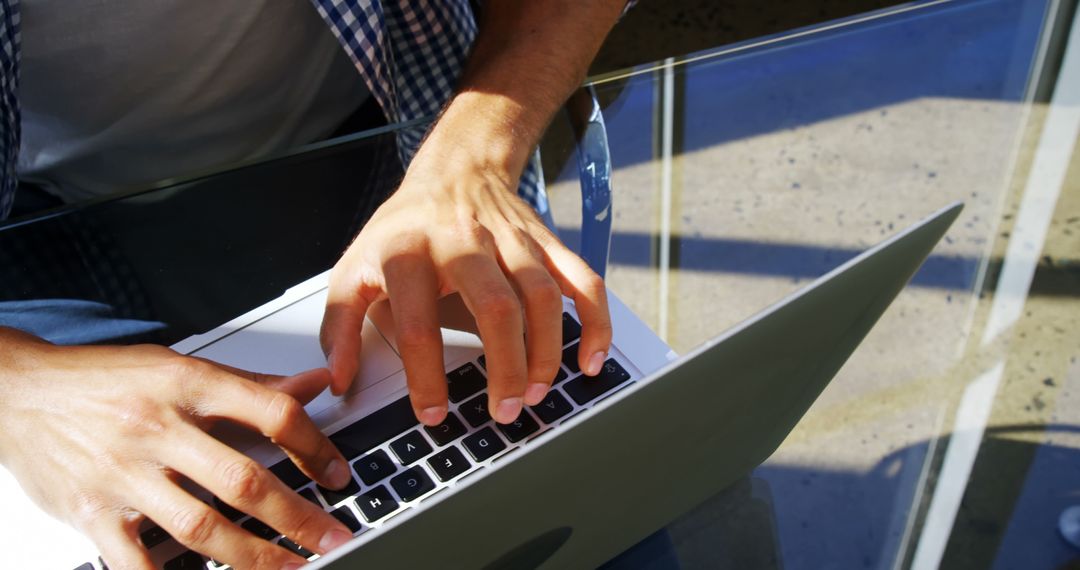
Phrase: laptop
(600, 464)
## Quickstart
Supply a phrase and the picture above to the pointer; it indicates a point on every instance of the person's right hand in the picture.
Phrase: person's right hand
(102, 436)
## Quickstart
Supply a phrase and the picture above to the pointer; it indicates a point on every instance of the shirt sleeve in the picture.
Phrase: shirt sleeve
(9, 103)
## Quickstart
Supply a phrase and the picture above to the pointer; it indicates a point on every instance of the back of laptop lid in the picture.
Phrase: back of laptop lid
(602, 481)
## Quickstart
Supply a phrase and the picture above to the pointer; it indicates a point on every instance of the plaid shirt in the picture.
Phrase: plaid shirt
(408, 53)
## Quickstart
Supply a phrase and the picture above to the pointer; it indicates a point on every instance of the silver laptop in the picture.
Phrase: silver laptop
(599, 465)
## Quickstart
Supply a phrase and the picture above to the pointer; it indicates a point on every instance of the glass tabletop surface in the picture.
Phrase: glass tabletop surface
(950, 438)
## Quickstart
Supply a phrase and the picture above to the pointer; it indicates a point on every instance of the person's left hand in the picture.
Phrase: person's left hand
(458, 225)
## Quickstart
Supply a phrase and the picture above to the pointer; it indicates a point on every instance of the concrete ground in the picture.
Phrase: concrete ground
(866, 479)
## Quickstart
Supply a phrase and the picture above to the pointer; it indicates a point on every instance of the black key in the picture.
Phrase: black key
(448, 463)
(411, 447)
(475, 411)
(483, 444)
(374, 467)
(412, 483)
(289, 474)
(333, 497)
(552, 407)
(450, 429)
(86, 566)
(569, 358)
(260, 529)
(559, 377)
(583, 388)
(295, 548)
(483, 361)
(153, 536)
(375, 428)
(376, 503)
(519, 429)
(101, 562)
(571, 330)
(347, 518)
(227, 510)
(310, 496)
(464, 382)
(186, 561)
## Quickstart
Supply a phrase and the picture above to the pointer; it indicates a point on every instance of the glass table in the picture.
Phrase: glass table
(949, 439)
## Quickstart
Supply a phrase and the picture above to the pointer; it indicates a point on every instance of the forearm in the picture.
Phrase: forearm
(528, 58)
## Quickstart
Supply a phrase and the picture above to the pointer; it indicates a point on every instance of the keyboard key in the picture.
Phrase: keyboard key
(227, 510)
(559, 377)
(187, 561)
(310, 496)
(295, 548)
(448, 463)
(464, 381)
(569, 358)
(483, 361)
(571, 330)
(347, 518)
(552, 407)
(289, 474)
(519, 429)
(450, 429)
(86, 566)
(374, 429)
(374, 467)
(153, 536)
(376, 503)
(412, 483)
(411, 447)
(475, 411)
(260, 529)
(483, 444)
(334, 497)
(583, 388)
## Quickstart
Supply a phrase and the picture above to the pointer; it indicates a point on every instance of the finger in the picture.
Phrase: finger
(586, 288)
(304, 386)
(206, 531)
(340, 334)
(493, 302)
(413, 288)
(118, 544)
(281, 418)
(543, 313)
(249, 487)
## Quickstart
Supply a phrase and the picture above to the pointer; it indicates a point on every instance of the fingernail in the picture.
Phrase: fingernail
(535, 392)
(337, 474)
(432, 416)
(595, 362)
(333, 539)
(508, 410)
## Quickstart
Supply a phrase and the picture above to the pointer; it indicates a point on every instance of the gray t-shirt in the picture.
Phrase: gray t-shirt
(120, 93)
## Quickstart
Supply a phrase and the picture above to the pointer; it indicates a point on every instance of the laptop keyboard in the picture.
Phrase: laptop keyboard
(398, 463)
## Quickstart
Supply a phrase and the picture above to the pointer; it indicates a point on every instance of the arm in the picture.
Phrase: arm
(456, 223)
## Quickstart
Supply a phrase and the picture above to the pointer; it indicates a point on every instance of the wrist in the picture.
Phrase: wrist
(486, 132)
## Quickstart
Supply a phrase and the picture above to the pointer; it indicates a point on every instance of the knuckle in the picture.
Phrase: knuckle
(87, 508)
(545, 295)
(500, 305)
(593, 285)
(285, 413)
(267, 555)
(413, 336)
(243, 482)
(193, 526)
(141, 415)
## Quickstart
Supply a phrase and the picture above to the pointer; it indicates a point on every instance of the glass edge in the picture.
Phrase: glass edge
(762, 41)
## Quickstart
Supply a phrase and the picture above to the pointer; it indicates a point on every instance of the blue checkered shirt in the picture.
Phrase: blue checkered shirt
(408, 53)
